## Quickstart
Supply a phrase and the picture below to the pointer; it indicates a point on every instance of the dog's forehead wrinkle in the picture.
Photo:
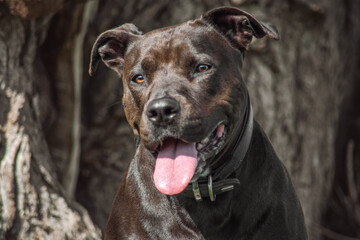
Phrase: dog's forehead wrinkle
(176, 47)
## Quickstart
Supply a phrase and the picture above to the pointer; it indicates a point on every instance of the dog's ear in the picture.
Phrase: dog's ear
(111, 47)
(238, 26)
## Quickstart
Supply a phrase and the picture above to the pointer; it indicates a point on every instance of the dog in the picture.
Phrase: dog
(203, 167)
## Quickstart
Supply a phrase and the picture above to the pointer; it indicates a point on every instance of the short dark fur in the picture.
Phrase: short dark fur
(265, 205)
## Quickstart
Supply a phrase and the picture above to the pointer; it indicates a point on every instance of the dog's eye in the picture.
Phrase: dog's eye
(203, 67)
(138, 79)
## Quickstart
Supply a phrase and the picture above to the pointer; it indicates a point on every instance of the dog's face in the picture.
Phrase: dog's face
(183, 91)
(190, 66)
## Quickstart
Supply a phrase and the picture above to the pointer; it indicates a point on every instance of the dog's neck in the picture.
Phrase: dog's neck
(217, 181)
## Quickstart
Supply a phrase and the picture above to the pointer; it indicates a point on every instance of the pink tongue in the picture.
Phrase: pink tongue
(175, 166)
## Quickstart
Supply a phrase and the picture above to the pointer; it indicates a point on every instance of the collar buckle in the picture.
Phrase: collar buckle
(210, 188)
(212, 195)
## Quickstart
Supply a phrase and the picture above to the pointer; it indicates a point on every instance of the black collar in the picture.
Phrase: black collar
(218, 181)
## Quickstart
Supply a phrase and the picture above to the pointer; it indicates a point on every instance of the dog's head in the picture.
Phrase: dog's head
(183, 91)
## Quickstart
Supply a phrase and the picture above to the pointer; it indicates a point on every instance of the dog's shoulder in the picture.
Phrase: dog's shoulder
(267, 184)
(263, 161)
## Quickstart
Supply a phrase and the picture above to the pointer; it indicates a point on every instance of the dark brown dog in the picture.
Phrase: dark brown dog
(203, 169)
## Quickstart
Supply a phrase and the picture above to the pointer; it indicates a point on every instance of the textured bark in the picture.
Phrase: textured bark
(32, 202)
(29, 9)
(297, 90)
(63, 57)
(342, 215)
(61, 129)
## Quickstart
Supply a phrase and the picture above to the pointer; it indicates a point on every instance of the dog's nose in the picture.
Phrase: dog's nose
(163, 110)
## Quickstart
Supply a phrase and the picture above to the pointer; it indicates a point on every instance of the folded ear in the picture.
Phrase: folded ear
(238, 26)
(111, 47)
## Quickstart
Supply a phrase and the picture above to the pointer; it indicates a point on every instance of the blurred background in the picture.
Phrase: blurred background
(65, 142)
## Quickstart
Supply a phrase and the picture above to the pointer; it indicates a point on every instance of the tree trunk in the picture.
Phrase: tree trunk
(342, 213)
(296, 89)
(32, 202)
(64, 136)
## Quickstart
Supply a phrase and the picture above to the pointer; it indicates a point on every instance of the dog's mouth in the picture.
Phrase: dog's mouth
(178, 161)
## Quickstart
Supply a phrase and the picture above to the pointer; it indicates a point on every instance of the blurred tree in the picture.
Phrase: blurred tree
(64, 137)
(32, 202)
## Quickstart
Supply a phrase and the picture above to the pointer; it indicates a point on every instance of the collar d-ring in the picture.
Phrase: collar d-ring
(210, 189)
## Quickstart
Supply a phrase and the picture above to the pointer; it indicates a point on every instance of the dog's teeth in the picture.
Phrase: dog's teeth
(220, 131)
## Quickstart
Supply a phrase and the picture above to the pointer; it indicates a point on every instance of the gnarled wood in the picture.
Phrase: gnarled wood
(32, 202)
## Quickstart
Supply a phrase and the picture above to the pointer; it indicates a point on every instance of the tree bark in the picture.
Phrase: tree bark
(296, 89)
(64, 135)
(342, 213)
(32, 202)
